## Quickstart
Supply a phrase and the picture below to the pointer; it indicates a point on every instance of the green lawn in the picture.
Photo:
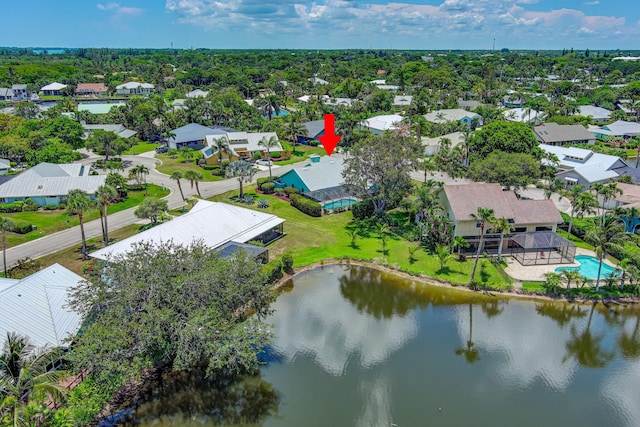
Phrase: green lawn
(302, 153)
(575, 240)
(532, 286)
(170, 165)
(140, 148)
(48, 222)
(311, 240)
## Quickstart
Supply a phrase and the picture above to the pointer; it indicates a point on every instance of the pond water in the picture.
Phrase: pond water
(358, 347)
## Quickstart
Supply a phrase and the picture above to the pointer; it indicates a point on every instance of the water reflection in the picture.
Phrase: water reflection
(586, 347)
(470, 353)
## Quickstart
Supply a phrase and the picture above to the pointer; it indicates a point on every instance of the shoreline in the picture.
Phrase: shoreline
(432, 281)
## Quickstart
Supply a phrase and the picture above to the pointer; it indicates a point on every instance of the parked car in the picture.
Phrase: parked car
(264, 162)
(162, 149)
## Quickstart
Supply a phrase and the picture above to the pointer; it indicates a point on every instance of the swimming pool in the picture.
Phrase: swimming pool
(589, 267)
(342, 203)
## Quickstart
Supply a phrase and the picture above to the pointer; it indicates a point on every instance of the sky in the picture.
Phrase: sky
(324, 24)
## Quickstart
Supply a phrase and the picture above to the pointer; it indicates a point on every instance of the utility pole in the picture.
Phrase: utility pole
(494, 45)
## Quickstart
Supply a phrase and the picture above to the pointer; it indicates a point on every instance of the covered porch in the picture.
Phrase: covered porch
(542, 248)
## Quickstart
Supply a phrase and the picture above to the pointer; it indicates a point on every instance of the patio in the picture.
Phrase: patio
(521, 272)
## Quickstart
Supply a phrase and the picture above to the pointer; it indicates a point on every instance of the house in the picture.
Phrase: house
(597, 114)
(6, 94)
(468, 104)
(241, 144)
(52, 89)
(118, 129)
(524, 115)
(584, 167)
(101, 108)
(555, 134)
(459, 115)
(432, 145)
(91, 89)
(19, 92)
(49, 184)
(382, 84)
(619, 128)
(315, 128)
(36, 306)
(214, 223)
(531, 220)
(5, 165)
(379, 124)
(192, 135)
(400, 101)
(512, 101)
(198, 93)
(135, 88)
(317, 81)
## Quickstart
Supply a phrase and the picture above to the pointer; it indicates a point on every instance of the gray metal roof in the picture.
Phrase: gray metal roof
(314, 128)
(213, 222)
(36, 306)
(555, 133)
(190, 132)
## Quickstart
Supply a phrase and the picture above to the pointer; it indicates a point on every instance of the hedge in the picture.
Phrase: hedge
(268, 188)
(11, 207)
(290, 190)
(21, 227)
(210, 167)
(305, 205)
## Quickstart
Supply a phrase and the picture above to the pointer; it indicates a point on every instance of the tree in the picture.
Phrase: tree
(443, 253)
(268, 105)
(106, 143)
(378, 168)
(186, 153)
(118, 182)
(5, 225)
(606, 192)
(26, 110)
(222, 147)
(139, 173)
(177, 176)
(552, 282)
(194, 177)
(194, 315)
(268, 144)
(485, 217)
(571, 275)
(508, 137)
(293, 128)
(152, 208)
(511, 170)
(605, 238)
(241, 170)
(459, 242)
(104, 195)
(582, 203)
(78, 202)
(25, 378)
(502, 226)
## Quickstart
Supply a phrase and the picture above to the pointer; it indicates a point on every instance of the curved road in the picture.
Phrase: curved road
(54, 242)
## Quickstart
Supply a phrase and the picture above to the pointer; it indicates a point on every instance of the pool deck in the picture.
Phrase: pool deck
(536, 272)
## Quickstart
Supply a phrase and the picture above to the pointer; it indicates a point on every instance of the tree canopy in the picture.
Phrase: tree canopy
(508, 137)
(511, 170)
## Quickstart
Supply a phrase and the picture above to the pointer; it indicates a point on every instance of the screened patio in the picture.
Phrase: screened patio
(542, 247)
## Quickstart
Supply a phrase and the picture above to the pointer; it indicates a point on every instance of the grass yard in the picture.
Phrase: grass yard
(142, 147)
(170, 165)
(302, 153)
(48, 222)
(311, 240)
(532, 286)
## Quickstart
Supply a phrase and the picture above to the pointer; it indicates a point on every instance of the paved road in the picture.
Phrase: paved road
(48, 244)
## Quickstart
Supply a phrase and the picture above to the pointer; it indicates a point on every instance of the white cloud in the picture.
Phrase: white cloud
(592, 3)
(119, 10)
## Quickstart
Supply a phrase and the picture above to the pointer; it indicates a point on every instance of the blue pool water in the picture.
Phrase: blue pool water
(589, 267)
(339, 203)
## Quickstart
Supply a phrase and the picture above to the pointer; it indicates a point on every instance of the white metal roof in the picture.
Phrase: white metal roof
(213, 222)
(386, 122)
(450, 115)
(242, 141)
(198, 93)
(623, 128)
(36, 306)
(326, 173)
(53, 86)
(135, 85)
(595, 112)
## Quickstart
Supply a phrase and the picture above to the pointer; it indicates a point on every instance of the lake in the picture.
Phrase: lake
(355, 346)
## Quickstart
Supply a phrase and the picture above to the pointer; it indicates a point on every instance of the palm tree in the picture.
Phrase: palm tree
(443, 252)
(293, 128)
(268, 144)
(581, 202)
(483, 217)
(470, 353)
(606, 237)
(104, 195)
(571, 275)
(502, 226)
(194, 177)
(5, 225)
(268, 105)
(177, 176)
(222, 145)
(459, 242)
(241, 170)
(25, 377)
(78, 203)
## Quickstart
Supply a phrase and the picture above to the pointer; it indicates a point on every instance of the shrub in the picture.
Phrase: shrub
(268, 187)
(210, 167)
(136, 187)
(248, 200)
(261, 181)
(290, 190)
(274, 271)
(363, 209)
(263, 204)
(287, 263)
(21, 227)
(29, 206)
(279, 192)
(305, 205)
(276, 154)
(11, 207)
(50, 207)
(257, 155)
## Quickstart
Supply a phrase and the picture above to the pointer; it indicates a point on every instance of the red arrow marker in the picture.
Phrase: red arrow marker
(329, 139)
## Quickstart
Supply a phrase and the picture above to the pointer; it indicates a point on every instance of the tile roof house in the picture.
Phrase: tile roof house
(597, 114)
(52, 89)
(91, 89)
(49, 184)
(454, 115)
(555, 134)
(36, 306)
(378, 124)
(584, 167)
(135, 88)
(620, 128)
(214, 223)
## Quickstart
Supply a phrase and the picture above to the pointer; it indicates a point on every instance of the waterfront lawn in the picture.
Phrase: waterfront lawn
(170, 165)
(313, 240)
(532, 286)
(48, 222)
(141, 147)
